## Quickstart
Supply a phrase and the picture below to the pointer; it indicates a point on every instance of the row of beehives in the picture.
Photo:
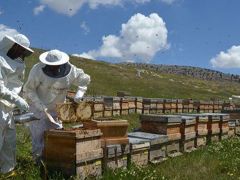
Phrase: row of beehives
(113, 106)
(86, 153)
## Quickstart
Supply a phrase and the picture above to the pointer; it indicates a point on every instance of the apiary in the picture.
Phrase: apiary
(188, 133)
(139, 151)
(115, 156)
(73, 152)
(158, 145)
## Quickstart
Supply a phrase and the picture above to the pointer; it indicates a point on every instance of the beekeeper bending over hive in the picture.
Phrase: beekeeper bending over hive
(12, 53)
(46, 86)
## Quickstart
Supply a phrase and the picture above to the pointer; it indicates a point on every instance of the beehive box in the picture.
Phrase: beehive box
(124, 106)
(167, 106)
(162, 124)
(173, 106)
(131, 105)
(73, 152)
(232, 128)
(179, 106)
(98, 107)
(158, 145)
(116, 106)
(153, 106)
(115, 156)
(187, 105)
(224, 127)
(146, 105)
(213, 127)
(188, 134)
(108, 106)
(160, 106)
(114, 131)
(66, 112)
(201, 128)
(139, 151)
(139, 105)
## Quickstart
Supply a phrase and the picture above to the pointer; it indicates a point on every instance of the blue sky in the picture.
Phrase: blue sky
(203, 33)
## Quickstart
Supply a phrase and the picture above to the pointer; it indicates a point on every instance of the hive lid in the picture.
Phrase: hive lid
(110, 122)
(161, 118)
(188, 119)
(152, 138)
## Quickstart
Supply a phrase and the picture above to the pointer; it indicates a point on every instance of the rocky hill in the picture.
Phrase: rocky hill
(195, 72)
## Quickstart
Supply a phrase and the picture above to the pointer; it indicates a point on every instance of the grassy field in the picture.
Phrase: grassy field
(219, 161)
(107, 79)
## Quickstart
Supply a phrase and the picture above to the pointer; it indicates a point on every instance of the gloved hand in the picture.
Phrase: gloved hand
(22, 104)
(78, 96)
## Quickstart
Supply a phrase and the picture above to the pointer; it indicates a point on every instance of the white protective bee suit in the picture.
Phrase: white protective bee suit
(44, 92)
(11, 81)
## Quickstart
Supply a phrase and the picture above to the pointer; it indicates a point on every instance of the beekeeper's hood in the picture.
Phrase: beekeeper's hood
(54, 57)
(7, 42)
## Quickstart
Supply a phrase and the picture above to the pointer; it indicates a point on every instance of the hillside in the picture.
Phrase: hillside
(107, 79)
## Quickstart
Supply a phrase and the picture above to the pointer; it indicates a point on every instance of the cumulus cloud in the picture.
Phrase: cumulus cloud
(38, 9)
(139, 40)
(229, 59)
(71, 7)
(5, 30)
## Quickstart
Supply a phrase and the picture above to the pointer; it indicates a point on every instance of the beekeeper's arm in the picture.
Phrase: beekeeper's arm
(8, 95)
(81, 80)
(30, 89)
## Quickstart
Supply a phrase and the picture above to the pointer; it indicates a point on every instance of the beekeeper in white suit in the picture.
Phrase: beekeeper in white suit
(12, 53)
(46, 86)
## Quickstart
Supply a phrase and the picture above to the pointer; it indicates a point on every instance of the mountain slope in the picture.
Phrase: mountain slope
(107, 79)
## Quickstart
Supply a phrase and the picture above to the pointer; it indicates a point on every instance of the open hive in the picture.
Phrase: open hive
(75, 152)
(188, 133)
(167, 125)
(158, 145)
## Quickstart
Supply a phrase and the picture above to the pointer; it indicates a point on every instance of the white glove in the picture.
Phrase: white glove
(78, 96)
(22, 104)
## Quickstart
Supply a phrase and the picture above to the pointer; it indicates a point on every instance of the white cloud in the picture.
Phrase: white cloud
(4, 30)
(83, 55)
(229, 59)
(168, 1)
(1, 12)
(71, 7)
(85, 28)
(38, 9)
(140, 39)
